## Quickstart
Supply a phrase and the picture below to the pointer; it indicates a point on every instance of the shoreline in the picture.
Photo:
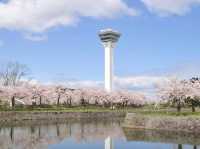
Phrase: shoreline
(17, 117)
(188, 124)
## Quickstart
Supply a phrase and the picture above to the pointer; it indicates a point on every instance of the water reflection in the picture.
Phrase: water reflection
(86, 134)
(38, 136)
(181, 146)
(108, 143)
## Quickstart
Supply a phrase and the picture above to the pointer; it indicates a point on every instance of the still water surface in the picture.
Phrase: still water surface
(88, 134)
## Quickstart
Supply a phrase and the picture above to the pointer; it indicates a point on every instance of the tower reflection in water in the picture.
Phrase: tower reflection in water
(109, 143)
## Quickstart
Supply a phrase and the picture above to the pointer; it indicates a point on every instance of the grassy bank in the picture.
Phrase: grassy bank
(146, 110)
(62, 109)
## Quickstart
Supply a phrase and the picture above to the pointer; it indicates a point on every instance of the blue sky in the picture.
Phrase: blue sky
(158, 37)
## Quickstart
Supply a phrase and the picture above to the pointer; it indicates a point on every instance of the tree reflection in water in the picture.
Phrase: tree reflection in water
(11, 134)
(40, 136)
(181, 146)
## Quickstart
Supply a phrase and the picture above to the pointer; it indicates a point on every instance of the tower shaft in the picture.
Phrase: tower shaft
(108, 66)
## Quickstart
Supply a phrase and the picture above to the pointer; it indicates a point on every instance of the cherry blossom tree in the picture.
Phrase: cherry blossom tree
(39, 94)
(173, 92)
(14, 94)
(60, 91)
(193, 98)
(180, 92)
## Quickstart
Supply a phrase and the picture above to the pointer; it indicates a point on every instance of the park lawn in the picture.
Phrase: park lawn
(146, 110)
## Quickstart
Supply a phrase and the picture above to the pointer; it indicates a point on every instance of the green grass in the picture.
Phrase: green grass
(62, 109)
(146, 110)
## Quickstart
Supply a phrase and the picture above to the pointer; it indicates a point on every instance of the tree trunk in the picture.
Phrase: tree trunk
(13, 101)
(58, 100)
(40, 100)
(70, 102)
(194, 147)
(179, 106)
(82, 102)
(193, 108)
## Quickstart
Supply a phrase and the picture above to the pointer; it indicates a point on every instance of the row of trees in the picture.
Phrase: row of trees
(180, 93)
(28, 94)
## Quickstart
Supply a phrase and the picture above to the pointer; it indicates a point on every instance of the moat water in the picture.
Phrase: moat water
(89, 134)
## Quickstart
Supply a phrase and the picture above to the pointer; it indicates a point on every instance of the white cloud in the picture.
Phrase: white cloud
(40, 15)
(36, 37)
(139, 82)
(78, 83)
(170, 7)
(86, 83)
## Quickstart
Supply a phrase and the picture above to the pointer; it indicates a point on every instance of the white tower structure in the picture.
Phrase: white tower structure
(109, 39)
